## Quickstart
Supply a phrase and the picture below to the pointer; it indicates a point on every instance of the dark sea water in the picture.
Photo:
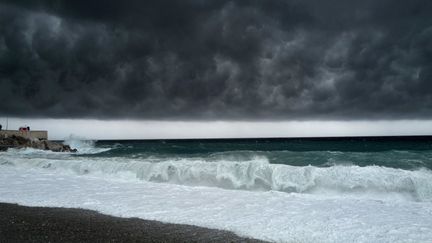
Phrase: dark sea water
(395, 152)
(343, 166)
(373, 189)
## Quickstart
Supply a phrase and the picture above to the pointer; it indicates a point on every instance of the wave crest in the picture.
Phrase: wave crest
(257, 174)
(84, 146)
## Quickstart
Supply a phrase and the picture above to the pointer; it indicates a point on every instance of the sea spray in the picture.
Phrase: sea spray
(357, 191)
(257, 174)
(272, 216)
(84, 146)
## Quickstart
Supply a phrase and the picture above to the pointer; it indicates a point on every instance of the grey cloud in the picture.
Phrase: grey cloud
(194, 59)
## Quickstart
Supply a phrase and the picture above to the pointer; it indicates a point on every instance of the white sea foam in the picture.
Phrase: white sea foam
(84, 146)
(271, 215)
(371, 182)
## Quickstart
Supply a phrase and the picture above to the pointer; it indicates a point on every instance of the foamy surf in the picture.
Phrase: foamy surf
(84, 146)
(372, 182)
(333, 199)
(272, 216)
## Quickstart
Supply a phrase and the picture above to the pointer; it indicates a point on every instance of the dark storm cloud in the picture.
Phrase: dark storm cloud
(207, 59)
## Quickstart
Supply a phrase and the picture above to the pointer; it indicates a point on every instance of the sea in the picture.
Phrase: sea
(343, 189)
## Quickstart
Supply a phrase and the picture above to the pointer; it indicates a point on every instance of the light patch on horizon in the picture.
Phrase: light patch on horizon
(60, 129)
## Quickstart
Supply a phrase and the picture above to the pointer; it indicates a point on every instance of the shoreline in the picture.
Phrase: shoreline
(51, 224)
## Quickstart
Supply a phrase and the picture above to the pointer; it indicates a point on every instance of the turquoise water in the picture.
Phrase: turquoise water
(346, 189)
(407, 153)
(281, 190)
(379, 167)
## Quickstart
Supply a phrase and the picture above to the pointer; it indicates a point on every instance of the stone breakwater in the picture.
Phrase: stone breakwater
(22, 142)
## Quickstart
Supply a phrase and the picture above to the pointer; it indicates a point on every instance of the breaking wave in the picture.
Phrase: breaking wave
(84, 146)
(256, 174)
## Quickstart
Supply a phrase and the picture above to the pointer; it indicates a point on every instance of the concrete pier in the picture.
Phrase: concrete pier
(27, 134)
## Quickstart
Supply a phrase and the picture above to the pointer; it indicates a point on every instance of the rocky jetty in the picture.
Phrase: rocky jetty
(22, 142)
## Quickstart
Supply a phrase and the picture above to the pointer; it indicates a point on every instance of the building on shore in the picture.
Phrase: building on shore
(42, 135)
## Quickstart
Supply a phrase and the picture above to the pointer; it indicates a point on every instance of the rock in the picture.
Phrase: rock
(38, 145)
(57, 147)
(53, 146)
(22, 142)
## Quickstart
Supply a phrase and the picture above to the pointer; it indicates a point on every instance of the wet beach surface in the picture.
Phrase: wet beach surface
(43, 224)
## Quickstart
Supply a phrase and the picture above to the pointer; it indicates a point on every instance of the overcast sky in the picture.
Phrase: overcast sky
(201, 61)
